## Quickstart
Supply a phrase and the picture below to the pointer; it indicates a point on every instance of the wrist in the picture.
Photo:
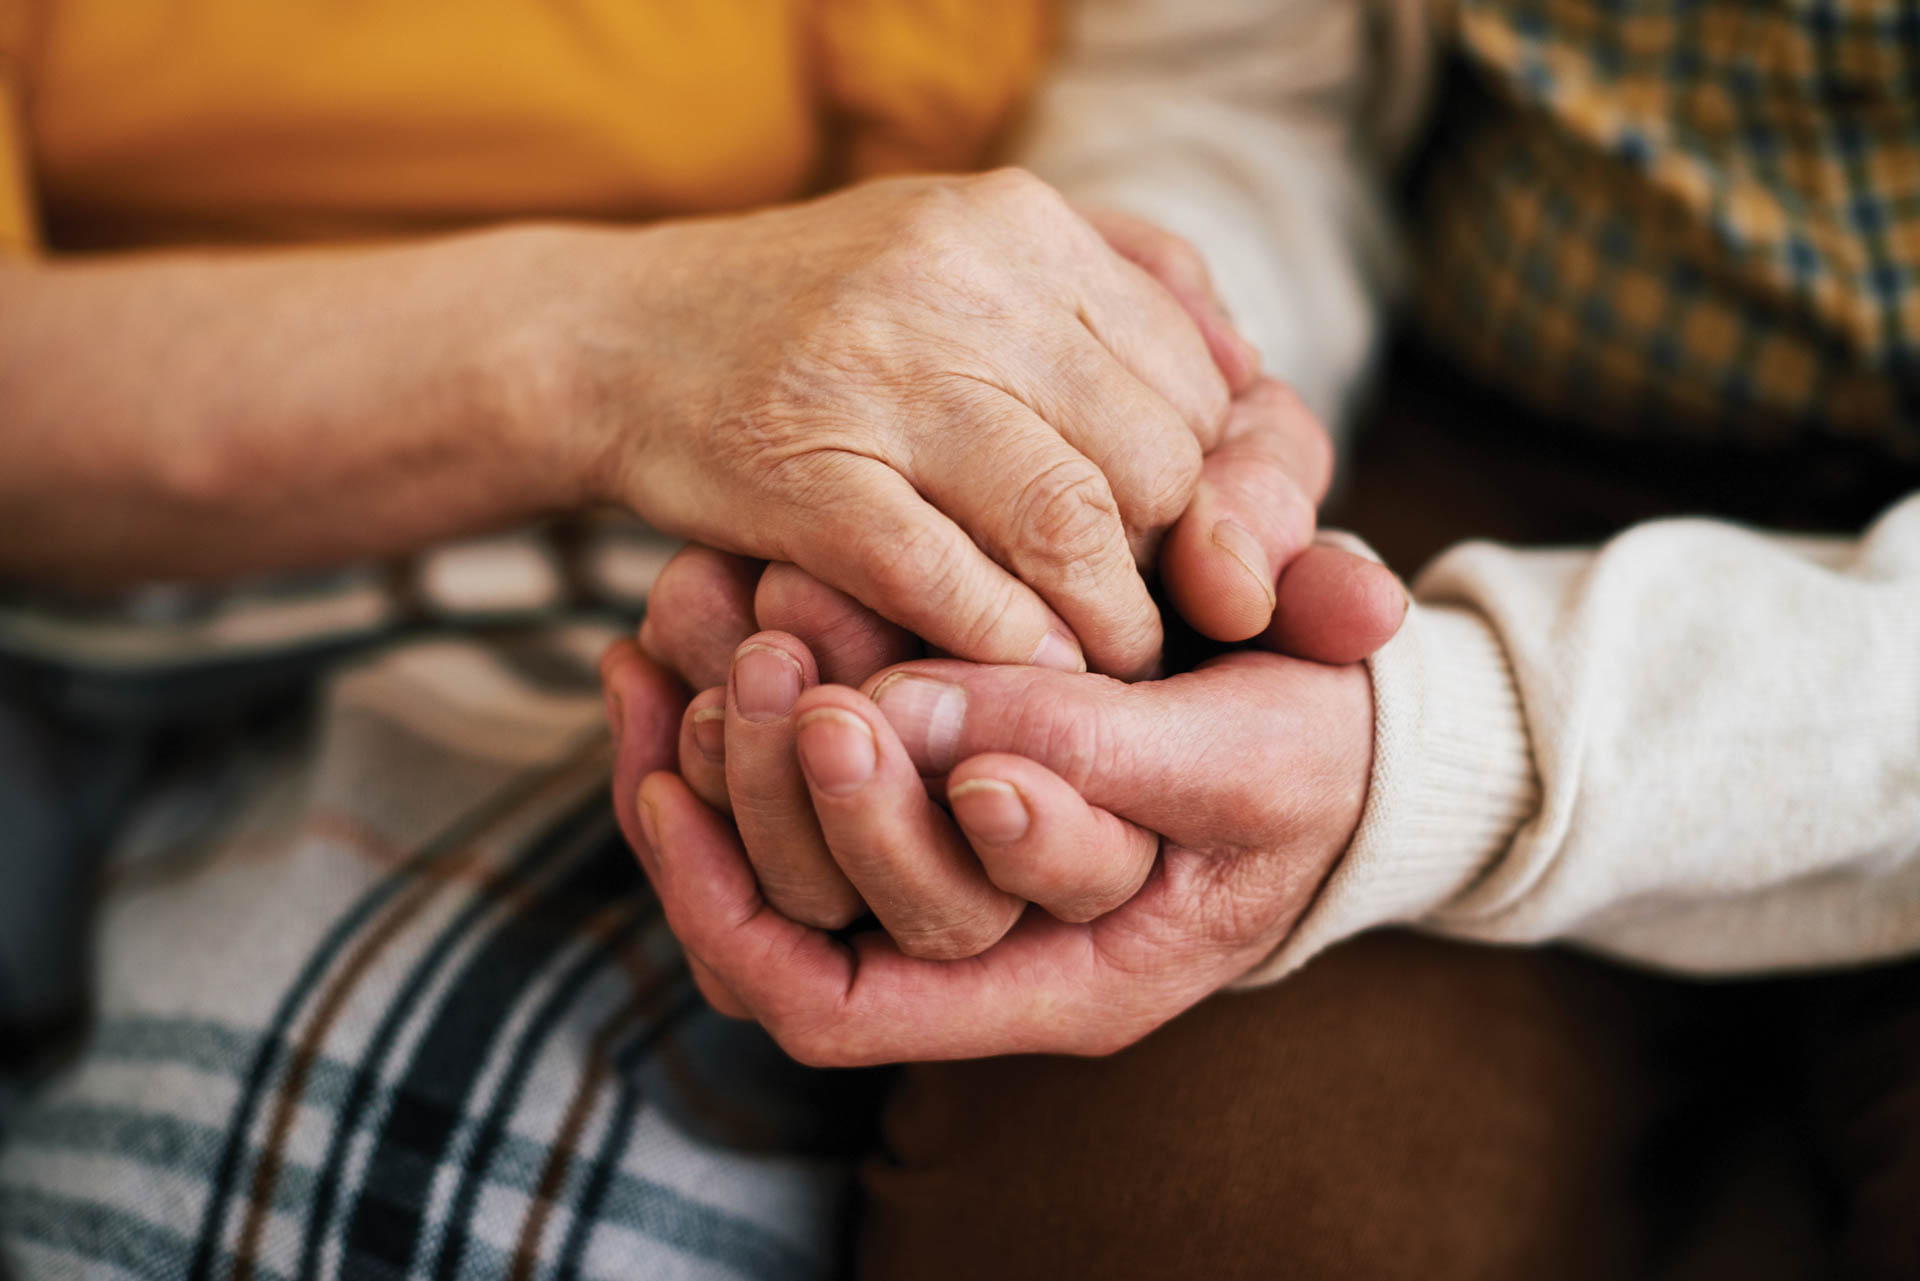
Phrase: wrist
(1451, 784)
(554, 365)
(1347, 751)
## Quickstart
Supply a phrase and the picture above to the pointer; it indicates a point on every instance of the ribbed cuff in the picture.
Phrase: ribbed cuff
(1453, 780)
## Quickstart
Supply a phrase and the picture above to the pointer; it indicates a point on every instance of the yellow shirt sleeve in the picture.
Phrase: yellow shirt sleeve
(930, 85)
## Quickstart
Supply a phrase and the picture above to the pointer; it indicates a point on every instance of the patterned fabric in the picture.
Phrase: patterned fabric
(602, 563)
(395, 1002)
(1692, 214)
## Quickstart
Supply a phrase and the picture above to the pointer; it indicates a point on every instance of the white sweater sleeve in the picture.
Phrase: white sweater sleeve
(1251, 128)
(1697, 748)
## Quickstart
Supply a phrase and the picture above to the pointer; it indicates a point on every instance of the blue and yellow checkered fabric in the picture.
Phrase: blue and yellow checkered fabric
(1699, 216)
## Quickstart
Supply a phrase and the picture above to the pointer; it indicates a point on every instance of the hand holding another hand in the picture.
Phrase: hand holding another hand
(1170, 832)
(1137, 819)
(948, 397)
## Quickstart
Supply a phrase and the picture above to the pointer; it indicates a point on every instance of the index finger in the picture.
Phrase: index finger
(910, 563)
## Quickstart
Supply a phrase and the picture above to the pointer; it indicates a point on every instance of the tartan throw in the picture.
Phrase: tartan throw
(1698, 220)
(400, 1005)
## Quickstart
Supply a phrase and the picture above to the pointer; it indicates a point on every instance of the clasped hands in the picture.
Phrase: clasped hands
(1052, 860)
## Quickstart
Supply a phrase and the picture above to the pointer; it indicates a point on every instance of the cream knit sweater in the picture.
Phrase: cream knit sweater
(1697, 747)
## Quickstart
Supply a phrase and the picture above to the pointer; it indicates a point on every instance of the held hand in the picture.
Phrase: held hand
(945, 397)
(1172, 831)
(1264, 579)
(738, 744)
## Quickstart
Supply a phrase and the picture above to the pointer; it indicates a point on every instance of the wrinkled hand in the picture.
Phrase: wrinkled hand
(1267, 476)
(1336, 606)
(1327, 604)
(1171, 832)
(948, 397)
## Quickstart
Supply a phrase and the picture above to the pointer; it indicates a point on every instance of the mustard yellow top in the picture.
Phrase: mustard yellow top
(206, 121)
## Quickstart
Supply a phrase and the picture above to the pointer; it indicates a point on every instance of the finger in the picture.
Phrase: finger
(897, 847)
(1043, 988)
(643, 701)
(1182, 271)
(1129, 312)
(1039, 840)
(914, 566)
(700, 609)
(1150, 458)
(718, 996)
(1335, 607)
(1188, 757)
(849, 641)
(1044, 510)
(1140, 322)
(1252, 513)
(703, 747)
(768, 793)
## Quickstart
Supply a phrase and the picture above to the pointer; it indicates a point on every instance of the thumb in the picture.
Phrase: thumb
(1157, 753)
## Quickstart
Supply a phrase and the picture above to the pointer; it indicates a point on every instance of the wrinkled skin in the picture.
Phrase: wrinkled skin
(949, 397)
(1172, 833)
(1106, 855)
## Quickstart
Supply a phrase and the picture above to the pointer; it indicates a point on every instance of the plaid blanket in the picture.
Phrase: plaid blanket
(377, 991)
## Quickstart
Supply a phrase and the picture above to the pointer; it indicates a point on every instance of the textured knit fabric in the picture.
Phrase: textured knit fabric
(396, 1002)
(1700, 218)
(1261, 131)
(1697, 747)
(226, 121)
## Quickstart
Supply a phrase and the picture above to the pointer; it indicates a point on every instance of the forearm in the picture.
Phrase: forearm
(195, 415)
(1698, 747)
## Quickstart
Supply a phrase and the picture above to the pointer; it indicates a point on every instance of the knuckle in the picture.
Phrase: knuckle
(1070, 738)
(1016, 187)
(1066, 515)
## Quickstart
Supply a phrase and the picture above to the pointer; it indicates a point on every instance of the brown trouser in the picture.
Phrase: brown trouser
(1411, 1108)
(1406, 1107)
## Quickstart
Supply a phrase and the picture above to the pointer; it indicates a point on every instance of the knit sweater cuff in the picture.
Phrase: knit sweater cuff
(1453, 780)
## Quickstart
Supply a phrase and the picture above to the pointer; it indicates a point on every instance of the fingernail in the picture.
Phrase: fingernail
(766, 681)
(1058, 651)
(710, 732)
(989, 809)
(1235, 541)
(616, 715)
(649, 823)
(836, 750)
(927, 714)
